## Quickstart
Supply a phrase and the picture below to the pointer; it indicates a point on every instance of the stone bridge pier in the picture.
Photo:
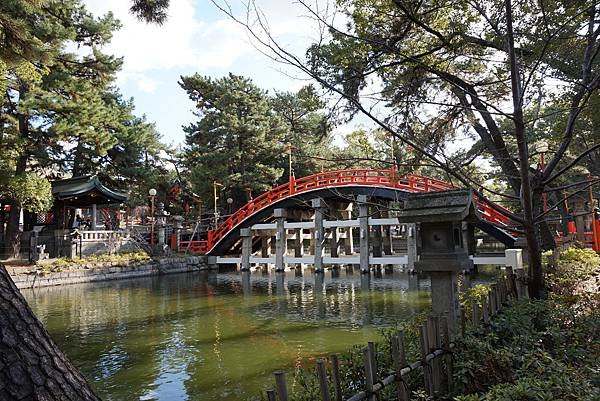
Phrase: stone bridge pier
(361, 233)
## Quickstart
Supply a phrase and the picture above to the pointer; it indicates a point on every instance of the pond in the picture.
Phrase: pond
(207, 336)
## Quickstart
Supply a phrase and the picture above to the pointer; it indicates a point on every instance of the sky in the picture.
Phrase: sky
(198, 37)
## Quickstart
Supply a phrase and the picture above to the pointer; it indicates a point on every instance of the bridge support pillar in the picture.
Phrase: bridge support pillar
(334, 244)
(377, 236)
(388, 241)
(299, 244)
(349, 240)
(411, 245)
(265, 247)
(319, 233)
(280, 239)
(363, 219)
(246, 235)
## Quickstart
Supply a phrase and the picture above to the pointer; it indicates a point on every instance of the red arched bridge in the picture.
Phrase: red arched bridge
(384, 184)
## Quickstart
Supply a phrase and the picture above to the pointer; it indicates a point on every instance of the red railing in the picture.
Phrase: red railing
(377, 178)
(200, 246)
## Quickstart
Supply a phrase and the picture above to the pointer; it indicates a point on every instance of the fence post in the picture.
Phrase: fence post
(322, 373)
(433, 337)
(498, 292)
(335, 370)
(399, 354)
(521, 287)
(476, 313)
(363, 217)
(446, 346)
(463, 323)
(495, 297)
(512, 285)
(368, 374)
(318, 206)
(492, 298)
(372, 355)
(486, 312)
(281, 386)
(280, 239)
(424, 343)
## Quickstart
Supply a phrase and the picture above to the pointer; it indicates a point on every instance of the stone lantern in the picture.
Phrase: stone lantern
(443, 251)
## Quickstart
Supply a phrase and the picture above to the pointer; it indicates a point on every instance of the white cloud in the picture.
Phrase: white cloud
(183, 41)
(186, 41)
(143, 82)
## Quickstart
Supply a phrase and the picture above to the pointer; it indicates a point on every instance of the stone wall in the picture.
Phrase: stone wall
(110, 271)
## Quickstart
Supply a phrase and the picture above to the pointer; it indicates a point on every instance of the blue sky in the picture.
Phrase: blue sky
(198, 37)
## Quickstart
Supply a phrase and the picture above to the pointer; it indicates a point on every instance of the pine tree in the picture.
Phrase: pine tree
(308, 130)
(50, 95)
(237, 140)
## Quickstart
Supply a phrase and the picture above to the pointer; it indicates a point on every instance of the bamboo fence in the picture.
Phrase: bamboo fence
(436, 346)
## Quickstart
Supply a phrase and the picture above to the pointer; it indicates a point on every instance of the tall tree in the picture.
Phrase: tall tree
(45, 89)
(237, 140)
(308, 134)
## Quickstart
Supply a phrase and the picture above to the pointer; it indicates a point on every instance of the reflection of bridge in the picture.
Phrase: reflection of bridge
(339, 188)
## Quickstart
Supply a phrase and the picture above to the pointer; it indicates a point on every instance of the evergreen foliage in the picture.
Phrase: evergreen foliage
(237, 141)
(60, 112)
(243, 136)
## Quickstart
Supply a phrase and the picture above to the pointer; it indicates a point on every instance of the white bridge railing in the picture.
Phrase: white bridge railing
(101, 235)
(511, 258)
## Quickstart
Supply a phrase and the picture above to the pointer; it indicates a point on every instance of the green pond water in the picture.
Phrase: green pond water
(206, 336)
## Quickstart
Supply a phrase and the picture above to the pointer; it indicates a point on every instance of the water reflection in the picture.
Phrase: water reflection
(207, 336)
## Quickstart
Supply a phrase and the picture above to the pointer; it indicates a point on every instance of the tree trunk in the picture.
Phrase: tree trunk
(12, 239)
(536, 282)
(12, 242)
(31, 365)
(78, 160)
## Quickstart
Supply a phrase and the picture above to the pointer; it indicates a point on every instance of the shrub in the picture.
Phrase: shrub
(62, 264)
(574, 266)
(478, 293)
(535, 350)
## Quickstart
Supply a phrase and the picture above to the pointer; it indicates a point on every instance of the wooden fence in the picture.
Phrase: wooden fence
(436, 345)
